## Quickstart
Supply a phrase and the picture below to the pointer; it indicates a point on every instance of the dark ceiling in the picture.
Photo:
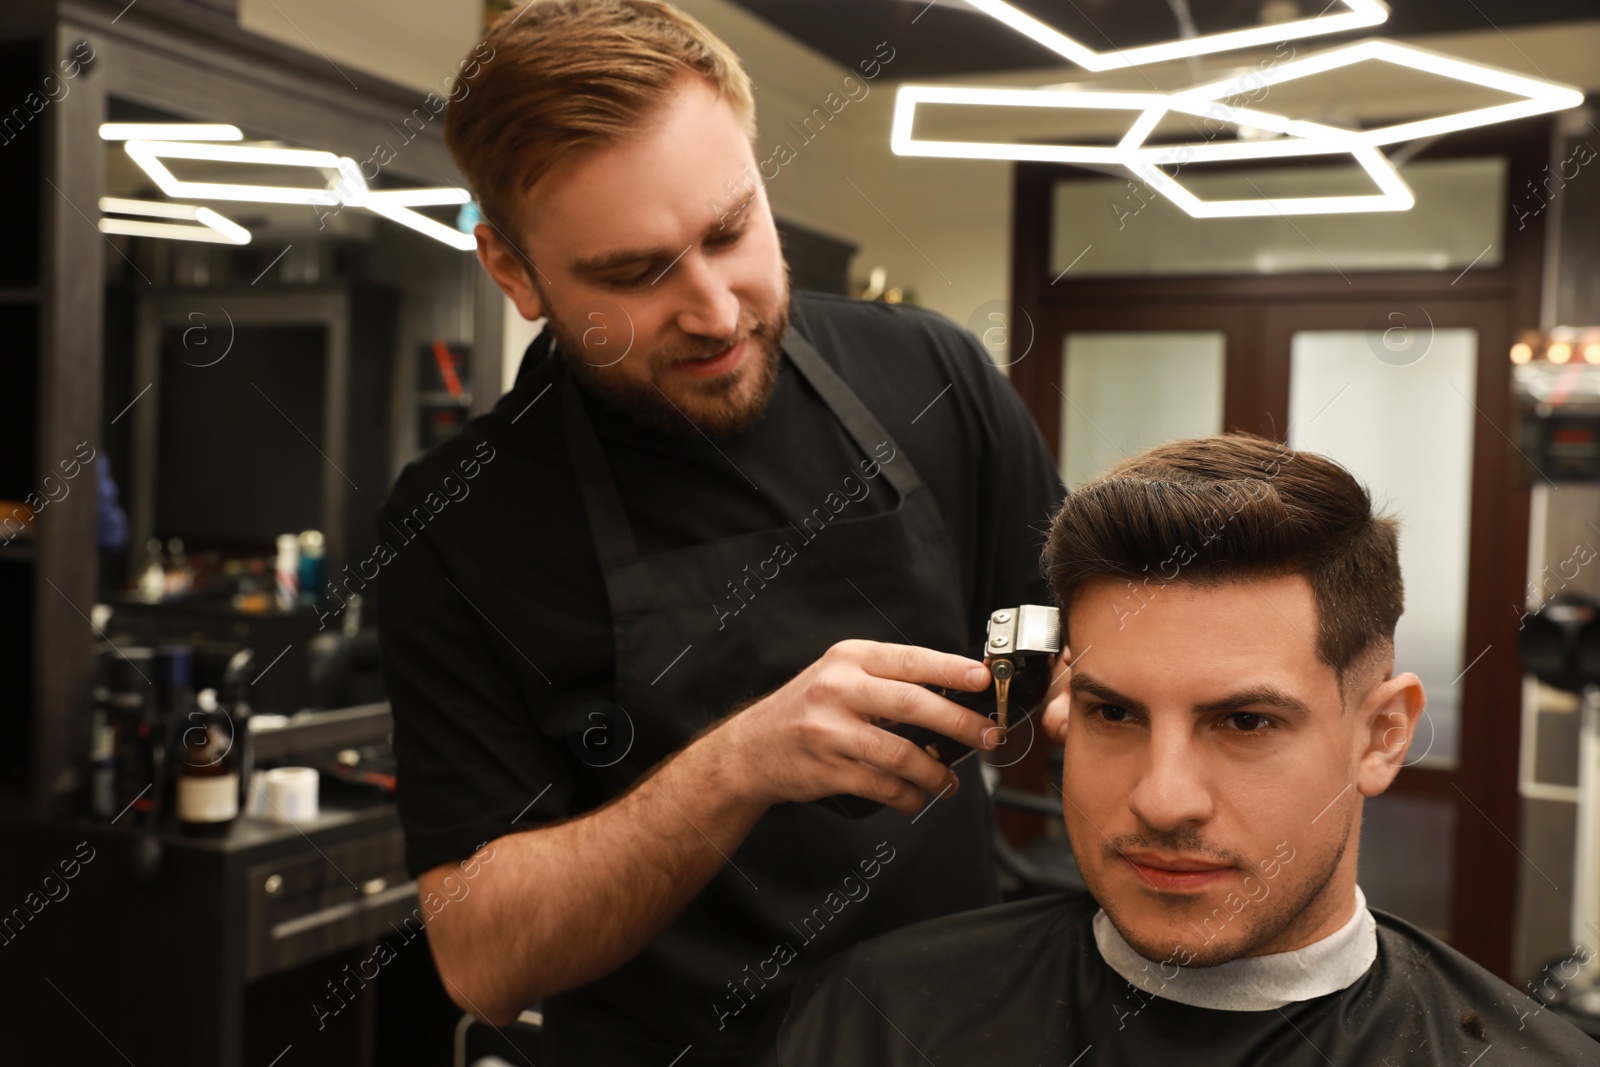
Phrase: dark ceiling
(933, 41)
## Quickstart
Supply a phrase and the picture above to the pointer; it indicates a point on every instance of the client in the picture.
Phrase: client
(1230, 605)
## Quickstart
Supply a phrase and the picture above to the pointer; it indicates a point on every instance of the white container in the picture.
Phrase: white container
(291, 794)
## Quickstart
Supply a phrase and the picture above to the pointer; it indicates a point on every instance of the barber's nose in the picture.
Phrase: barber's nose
(1172, 790)
(710, 308)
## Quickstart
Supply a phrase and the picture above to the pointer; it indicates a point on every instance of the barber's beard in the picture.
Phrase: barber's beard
(718, 407)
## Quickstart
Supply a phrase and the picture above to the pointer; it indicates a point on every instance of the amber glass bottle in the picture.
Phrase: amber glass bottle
(207, 768)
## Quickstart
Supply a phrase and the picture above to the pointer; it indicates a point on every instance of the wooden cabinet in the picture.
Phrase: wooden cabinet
(174, 950)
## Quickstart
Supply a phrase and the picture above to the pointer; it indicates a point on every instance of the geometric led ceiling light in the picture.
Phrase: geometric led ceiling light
(1393, 194)
(212, 228)
(1146, 161)
(903, 142)
(149, 155)
(1539, 97)
(342, 185)
(1351, 15)
(169, 131)
(1297, 137)
(396, 204)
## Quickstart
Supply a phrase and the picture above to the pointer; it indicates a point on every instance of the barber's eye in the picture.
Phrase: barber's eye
(1249, 723)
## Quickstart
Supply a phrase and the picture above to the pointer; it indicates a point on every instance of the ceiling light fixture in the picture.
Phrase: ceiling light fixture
(1393, 195)
(1146, 161)
(213, 228)
(149, 156)
(1539, 97)
(169, 131)
(1270, 136)
(343, 186)
(907, 97)
(1357, 15)
(396, 204)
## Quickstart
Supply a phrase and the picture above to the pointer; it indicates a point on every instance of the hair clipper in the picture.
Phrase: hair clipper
(1020, 650)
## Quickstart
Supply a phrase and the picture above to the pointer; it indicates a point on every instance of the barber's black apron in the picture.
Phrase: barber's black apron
(801, 878)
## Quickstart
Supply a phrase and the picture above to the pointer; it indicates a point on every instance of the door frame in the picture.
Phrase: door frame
(1259, 314)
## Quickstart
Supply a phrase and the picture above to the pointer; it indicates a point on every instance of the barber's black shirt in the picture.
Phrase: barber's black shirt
(492, 612)
(1024, 985)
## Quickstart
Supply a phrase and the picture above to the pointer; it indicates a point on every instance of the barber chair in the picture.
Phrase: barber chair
(1046, 865)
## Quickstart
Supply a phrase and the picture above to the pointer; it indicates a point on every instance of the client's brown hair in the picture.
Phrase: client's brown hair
(1213, 510)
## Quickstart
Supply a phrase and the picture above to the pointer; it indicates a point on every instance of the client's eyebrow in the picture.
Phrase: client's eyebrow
(1257, 696)
(1254, 696)
(1083, 683)
(609, 261)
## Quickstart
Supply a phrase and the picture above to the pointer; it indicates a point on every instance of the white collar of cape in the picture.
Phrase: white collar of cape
(1251, 983)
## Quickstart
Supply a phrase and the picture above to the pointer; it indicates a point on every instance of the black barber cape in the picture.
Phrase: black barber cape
(568, 597)
(1024, 985)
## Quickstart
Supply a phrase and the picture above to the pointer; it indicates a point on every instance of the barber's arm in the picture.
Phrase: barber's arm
(565, 904)
(549, 909)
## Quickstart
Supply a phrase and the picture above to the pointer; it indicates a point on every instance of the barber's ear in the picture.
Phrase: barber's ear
(509, 269)
(1389, 714)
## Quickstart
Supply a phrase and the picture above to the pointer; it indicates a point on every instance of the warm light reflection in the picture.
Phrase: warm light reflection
(1521, 353)
(1558, 352)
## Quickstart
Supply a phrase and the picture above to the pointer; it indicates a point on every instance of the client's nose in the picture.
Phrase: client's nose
(1172, 789)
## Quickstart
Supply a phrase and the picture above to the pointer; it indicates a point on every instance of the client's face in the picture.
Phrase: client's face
(1213, 779)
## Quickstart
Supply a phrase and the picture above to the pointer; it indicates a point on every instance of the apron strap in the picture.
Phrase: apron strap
(847, 407)
(613, 536)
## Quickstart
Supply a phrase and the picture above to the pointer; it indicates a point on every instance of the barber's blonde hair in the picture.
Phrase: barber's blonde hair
(556, 77)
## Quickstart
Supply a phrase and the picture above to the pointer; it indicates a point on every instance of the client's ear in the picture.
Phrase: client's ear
(1389, 717)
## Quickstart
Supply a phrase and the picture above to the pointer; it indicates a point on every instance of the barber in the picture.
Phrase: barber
(660, 599)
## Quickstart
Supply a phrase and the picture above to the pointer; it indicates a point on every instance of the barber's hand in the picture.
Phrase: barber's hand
(815, 737)
(1058, 702)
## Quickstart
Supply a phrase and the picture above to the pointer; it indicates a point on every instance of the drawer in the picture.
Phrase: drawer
(313, 903)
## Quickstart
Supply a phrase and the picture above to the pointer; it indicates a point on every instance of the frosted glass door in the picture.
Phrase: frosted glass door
(1126, 392)
(1403, 423)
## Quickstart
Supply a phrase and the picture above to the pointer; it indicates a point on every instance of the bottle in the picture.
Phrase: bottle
(207, 800)
(312, 566)
(103, 740)
(236, 679)
(180, 576)
(174, 699)
(153, 578)
(131, 713)
(288, 571)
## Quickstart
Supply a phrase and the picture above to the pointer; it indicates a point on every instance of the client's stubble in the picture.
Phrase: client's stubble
(1260, 922)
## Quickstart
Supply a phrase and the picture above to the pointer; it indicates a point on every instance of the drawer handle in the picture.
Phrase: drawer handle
(274, 885)
(373, 886)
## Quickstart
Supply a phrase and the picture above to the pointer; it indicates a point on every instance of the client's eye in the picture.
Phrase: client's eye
(1249, 723)
(1110, 712)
